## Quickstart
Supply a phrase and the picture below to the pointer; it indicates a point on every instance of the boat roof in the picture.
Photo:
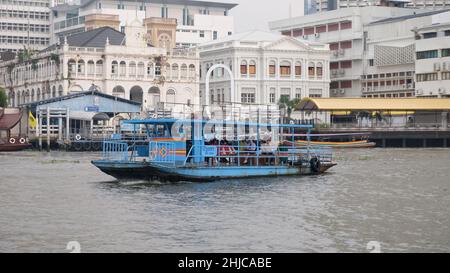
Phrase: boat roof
(218, 122)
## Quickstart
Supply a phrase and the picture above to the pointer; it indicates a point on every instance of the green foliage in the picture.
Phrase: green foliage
(289, 105)
(3, 98)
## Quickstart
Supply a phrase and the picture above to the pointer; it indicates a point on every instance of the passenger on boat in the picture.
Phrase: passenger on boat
(225, 149)
(267, 152)
(251, 152)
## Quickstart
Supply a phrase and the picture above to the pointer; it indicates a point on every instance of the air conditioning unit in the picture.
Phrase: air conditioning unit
(363, 89)
(305, 37)
(341, 51)
(410, 85)
(317, 35)
(404, 86)
(369, 89)
(342, 91)
(335, 53)
(334, 91)
(419, 91)
(341, 71)
(437, 66)
(334, 72)
(441, 90)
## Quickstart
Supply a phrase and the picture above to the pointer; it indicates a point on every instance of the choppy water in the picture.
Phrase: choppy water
(398, 197)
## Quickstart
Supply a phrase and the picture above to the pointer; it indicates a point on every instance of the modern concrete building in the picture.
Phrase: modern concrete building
(433, 57)
(327, 5)
(196, 21)
(24, 24)
(389, 62)
(266, 67)
(105, 60)
(346, 33)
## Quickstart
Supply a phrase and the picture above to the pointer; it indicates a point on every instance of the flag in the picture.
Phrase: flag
(32, 120)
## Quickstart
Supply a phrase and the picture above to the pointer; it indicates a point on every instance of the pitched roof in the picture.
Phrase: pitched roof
(178, 2)
(96, 37)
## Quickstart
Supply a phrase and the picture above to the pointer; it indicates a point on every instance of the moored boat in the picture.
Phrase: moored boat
(181, 150)
(9, 141)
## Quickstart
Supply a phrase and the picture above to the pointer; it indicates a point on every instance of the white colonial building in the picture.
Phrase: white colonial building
(433, 58)
(106, 60)
(265, 66)
(196, 21)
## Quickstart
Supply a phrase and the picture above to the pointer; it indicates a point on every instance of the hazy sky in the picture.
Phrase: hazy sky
(255, 14)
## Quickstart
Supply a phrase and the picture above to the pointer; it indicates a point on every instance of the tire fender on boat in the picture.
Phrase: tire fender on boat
(12, 140)
(78, 146)
(314, 165)
(22, 140)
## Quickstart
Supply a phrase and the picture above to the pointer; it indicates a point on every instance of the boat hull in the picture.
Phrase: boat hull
(13, 147)
(170, 173)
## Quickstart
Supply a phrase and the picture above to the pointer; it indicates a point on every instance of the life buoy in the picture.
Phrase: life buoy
(22, 140)
(77, 137)
(154, 116)
(314, 164)
(12, 140)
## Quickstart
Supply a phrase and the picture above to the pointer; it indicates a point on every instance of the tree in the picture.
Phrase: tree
(3, 98)
(288, 104)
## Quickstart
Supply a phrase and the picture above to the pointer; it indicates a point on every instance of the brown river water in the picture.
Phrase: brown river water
(399, 198)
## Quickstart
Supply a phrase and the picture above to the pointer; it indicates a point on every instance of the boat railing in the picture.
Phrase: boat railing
(115, 151)
(227, 155)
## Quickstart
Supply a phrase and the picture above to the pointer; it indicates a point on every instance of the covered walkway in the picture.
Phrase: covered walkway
(379, 113)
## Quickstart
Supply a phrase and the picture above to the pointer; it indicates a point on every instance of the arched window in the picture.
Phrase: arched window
(252, 68)
(91, 68)
(285, 69)
(170, 96)
(154, 96)
(132, 69)
(184, 71)
(71, 64)
(118, 91)
(38, 94)
(53, 92)
(244, 69)
(122, 69)
(319, 70)
(60, 91)
(81, 68)
(150, 70)
(141, 69)
(99, 68)
(192, 71)
(32, 95)
(175, 72)
(272, 68)
(298, 69)
(114, 68)
(311, 69)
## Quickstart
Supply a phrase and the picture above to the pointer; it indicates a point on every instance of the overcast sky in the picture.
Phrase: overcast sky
(255, 14)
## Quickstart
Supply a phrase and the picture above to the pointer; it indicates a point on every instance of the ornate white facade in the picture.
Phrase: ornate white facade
(131, 70)
(265, 67)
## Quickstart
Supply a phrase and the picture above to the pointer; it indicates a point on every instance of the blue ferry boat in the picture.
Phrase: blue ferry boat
(173, 150)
